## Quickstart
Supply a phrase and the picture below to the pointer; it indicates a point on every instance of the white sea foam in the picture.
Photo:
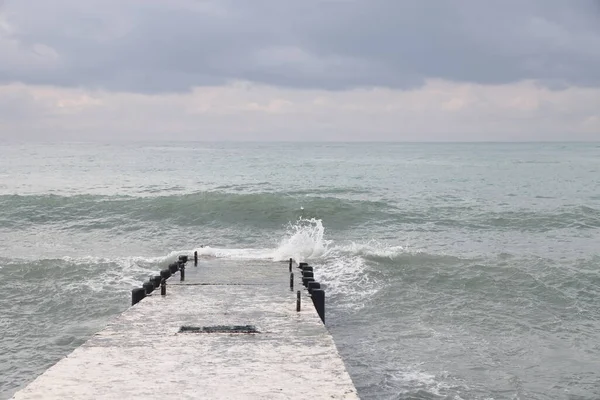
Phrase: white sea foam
(375, 248)
(439, 384)
(304, 241)
(344, 269)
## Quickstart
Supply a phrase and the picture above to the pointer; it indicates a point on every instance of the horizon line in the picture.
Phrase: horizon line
(124, 141)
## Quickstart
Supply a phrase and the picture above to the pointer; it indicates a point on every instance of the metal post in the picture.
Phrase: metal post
(312, 286)
(137, 295)
(182, 272)
(306, 281)
(291, 264)
(173, 267)
(318, 298)
(195, 258)
(298, 301)
(308, 274)
(163, 287)
(292, 281)
(165, 274)
(148, 287)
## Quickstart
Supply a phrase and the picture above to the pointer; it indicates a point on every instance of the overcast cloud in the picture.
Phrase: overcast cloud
(492, 70)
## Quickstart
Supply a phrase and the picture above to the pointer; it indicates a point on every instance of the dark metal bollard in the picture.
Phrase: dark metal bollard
(291, 261)
(195, 258)
(318, 298)
(183, 259)
(312, 286)
(307, 268)
(298, 301)
(302, 264)
(165, 274)
(292, 281)
(156, 280)
(308, 274)
(137, 295)
(182, 272)
(306, 281)
(173, 267)
(148, 287)
(163, 287)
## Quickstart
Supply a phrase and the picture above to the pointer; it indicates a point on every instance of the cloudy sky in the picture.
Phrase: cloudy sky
(418, 70)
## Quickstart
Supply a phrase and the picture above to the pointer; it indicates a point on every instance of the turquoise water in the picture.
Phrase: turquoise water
(453, 271)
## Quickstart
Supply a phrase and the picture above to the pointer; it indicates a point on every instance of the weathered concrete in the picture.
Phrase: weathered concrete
(142, 355)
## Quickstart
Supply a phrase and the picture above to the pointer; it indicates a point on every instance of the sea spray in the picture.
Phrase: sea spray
(304, 241)
(346, 269)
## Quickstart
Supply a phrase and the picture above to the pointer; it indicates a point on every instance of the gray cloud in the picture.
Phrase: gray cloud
(165, 46)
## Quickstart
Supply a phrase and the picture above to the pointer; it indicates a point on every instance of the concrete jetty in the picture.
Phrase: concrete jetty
(231, 330)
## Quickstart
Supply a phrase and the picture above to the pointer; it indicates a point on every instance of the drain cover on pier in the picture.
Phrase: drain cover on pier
(219, 329)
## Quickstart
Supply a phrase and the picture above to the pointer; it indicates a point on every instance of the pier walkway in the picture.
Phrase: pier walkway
(144, 353)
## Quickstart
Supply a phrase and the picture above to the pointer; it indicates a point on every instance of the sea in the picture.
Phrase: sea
(452, 270)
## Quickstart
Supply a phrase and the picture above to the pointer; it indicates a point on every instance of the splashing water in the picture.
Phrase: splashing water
(344, 268)
(304, 241)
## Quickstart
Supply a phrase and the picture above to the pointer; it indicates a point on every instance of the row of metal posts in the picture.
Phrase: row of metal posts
(154, 282)
(315, 291)
(314, 288)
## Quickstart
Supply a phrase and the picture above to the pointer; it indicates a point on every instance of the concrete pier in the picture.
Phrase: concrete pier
(144, 353)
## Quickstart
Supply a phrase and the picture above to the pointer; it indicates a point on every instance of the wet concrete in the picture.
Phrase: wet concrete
(142, 353)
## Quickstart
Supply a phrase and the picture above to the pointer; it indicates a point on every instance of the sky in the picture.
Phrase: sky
(300, 70)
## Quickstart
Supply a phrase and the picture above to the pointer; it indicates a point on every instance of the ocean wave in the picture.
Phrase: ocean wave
(577, 217)
(342, 268)
(352, 272)
(271, 210)
(204, 208)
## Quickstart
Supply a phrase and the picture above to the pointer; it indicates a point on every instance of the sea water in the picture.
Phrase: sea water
(452, 271)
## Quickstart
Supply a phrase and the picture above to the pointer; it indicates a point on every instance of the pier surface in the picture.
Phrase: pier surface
(143, 354)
